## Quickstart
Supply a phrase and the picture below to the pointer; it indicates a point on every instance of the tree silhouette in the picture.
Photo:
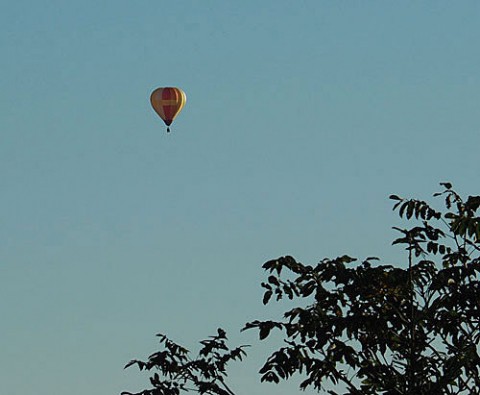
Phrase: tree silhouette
(179, 372)
(365, 328)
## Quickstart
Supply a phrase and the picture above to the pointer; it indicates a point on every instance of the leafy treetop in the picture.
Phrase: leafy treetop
(361, 327)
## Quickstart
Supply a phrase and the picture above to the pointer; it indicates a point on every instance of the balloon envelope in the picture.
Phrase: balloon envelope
(168, 102)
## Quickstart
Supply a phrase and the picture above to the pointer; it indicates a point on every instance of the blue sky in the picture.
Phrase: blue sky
(301, 118)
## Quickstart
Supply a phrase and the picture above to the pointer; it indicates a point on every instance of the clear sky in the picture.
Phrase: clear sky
(301, 118)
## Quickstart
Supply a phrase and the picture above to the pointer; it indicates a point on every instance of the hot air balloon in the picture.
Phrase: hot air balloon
(167, 103)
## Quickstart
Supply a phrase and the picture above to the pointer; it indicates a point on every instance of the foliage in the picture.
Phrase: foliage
(365, 328)
(179, 372)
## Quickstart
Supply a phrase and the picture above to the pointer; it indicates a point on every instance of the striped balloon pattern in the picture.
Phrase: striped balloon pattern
(167, 103)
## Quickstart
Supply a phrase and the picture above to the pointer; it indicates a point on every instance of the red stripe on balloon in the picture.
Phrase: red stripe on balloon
(169, 109)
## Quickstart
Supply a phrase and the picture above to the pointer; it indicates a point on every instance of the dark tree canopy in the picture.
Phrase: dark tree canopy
(179, 372)
(364, 328)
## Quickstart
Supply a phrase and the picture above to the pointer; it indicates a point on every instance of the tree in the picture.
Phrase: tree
(179, 372)
(363, 326)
